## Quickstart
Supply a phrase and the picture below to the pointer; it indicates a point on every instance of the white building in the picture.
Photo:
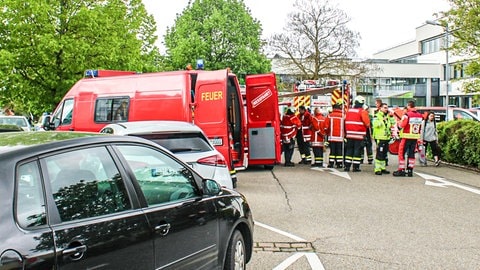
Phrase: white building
(417, 69)
(414, 69)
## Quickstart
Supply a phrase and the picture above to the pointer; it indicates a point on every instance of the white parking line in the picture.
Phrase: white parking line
(289, 235)
(312, 258)
(314, 261)
(334, 172)
(289, 261)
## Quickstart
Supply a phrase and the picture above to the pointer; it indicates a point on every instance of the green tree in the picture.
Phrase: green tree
(222, 33)
(316, 42)
(464, 23)
(46, 46)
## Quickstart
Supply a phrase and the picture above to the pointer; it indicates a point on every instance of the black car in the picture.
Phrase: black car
(89, 201)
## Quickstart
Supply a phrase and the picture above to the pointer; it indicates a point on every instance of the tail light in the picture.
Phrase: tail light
(216, 160)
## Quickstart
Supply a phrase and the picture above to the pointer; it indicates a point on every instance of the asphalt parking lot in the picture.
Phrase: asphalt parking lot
(328, 219)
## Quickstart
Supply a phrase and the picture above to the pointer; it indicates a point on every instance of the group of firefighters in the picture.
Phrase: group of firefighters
(345, 133)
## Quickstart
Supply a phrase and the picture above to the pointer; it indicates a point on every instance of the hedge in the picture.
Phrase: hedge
(460, 142)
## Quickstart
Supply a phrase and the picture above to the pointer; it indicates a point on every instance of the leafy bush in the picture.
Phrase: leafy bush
(459, 141)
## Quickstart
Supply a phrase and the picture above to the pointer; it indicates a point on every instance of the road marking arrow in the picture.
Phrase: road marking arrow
(435, 184)
(442, 182)
(430, 177)
(334, 172)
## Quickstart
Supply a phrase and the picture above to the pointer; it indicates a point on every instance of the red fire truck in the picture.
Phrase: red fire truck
(311, 93)
(210, 99)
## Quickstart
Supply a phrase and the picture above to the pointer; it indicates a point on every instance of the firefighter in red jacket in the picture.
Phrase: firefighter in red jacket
(288, 130)
(357, 122)
(318, 134)
(410, 133)
(334, 127)
(304, 135)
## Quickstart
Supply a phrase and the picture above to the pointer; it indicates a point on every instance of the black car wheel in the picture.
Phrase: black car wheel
(235, 259)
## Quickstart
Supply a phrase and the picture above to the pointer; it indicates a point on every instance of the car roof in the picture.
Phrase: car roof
(24, 142)
(142, 127)
(13, 116)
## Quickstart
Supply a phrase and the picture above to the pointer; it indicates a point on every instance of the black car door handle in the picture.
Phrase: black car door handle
(163, 229)
(75, 253)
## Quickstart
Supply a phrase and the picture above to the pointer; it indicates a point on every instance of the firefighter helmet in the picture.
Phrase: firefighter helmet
(359, 100)
(338, 104)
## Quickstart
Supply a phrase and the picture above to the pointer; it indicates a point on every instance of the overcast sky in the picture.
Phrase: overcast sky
(381, 23)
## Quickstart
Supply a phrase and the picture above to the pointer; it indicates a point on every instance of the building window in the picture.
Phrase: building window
(431, 45)
(459, 71)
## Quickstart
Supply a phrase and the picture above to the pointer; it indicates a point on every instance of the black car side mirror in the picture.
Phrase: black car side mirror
(46, 123)
(211, 187)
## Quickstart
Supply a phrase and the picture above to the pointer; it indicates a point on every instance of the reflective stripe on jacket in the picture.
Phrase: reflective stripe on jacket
(381, 127)
(288, 127)
(306, 119)
(411, 125)
(334, 125)
(318, 129)
(355, 126)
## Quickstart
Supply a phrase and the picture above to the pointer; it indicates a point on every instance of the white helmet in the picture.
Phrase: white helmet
(359, 99)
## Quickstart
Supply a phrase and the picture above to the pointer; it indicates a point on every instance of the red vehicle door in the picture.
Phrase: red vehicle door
(210, 108)
(263, 120)
(63, 116)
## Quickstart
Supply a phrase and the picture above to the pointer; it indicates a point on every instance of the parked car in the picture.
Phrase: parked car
(17, 120)
(91, 201)
(9, 128)
(42, 123)
(453, 113)
(186, 140)
(475, 111)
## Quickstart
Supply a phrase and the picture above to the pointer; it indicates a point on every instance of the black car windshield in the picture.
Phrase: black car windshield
(180, 142)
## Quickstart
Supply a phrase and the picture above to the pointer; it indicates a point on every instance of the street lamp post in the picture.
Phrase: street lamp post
(447, 65)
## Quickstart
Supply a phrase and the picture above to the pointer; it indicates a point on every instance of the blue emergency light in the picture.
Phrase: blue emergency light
(91, 73)
(200, 64)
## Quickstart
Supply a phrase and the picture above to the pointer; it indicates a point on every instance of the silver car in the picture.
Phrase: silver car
(17, 120)
(186, 140)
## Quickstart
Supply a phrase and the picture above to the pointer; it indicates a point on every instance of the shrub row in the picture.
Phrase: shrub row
(460, 142)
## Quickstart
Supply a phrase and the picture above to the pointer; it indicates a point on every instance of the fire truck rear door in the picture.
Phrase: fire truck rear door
(210, 112)
(263, 119)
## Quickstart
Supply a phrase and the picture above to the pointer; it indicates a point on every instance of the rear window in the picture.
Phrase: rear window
(180, 142)
(460, 114)
(21, 122)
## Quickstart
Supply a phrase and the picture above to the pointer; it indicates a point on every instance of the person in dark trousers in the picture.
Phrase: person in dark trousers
(410, 133)
(368, 144)
(288, 130)
(382, 134)
(304, 135)
(430, 137)
(335, 130)
(318, 134)
(357, 122)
